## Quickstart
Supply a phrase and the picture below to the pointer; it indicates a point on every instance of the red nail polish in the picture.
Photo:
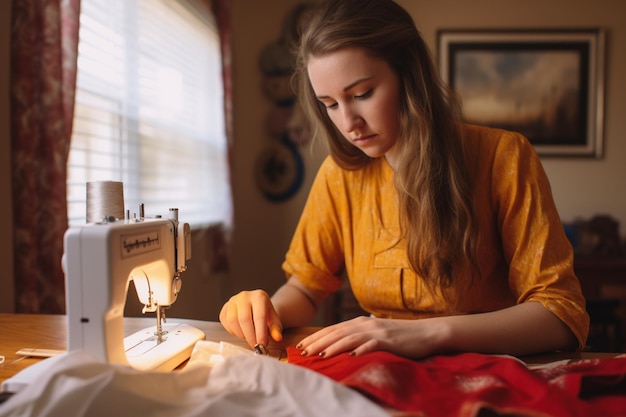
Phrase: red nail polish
(322, 354)
(303, 353)
(299, 346)
(353, 353)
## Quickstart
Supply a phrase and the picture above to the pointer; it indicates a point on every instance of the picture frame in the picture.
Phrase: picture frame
(546, 84)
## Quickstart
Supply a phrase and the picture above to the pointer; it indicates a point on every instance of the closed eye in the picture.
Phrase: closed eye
(334, 105)
(365, 95)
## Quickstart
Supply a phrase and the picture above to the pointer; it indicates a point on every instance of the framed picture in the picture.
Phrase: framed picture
(547, 85)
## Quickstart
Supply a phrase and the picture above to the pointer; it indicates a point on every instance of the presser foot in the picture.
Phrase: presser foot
(148, 351)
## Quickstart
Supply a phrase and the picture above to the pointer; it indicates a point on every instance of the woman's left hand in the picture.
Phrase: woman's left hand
(408, 338)
(523, 329)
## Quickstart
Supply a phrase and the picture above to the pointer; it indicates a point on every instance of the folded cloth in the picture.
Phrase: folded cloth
(234, 385)
(469, 384)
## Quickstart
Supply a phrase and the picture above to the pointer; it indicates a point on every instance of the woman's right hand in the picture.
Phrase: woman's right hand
(250, 315)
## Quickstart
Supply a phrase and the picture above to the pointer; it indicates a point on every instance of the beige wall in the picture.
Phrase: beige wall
(262, 228)
(581, 187)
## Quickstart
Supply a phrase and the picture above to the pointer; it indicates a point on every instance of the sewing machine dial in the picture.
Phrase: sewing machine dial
(140, 243)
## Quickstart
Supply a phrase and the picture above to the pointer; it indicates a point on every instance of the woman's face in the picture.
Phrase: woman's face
(362, 98)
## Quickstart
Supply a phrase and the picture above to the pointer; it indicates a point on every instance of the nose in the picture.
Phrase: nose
(350, 119)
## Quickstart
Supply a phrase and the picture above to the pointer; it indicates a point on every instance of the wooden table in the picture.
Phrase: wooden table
(41, 331)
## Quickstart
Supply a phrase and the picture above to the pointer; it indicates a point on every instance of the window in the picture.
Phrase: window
(149, 109)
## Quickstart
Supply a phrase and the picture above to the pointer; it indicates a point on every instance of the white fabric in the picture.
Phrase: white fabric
(218, 381)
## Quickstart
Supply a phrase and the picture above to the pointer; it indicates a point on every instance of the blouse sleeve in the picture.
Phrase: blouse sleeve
(536, 248)
(315, 256)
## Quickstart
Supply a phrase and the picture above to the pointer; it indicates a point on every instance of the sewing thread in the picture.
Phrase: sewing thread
(105, 199)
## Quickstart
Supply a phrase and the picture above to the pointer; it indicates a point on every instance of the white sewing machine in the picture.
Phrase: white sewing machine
(100, 260)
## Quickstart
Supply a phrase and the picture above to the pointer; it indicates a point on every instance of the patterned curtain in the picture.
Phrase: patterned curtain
(44, 46)
(222, 10)
(220, 236)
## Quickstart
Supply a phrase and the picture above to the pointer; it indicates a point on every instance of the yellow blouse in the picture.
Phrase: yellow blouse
(350, 221)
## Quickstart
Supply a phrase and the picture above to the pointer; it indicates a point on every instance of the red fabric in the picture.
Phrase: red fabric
(467, 384)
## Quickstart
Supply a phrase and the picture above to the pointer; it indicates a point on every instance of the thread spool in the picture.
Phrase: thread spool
(105, 199)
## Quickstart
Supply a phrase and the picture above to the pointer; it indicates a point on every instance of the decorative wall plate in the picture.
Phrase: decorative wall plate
(279, 170)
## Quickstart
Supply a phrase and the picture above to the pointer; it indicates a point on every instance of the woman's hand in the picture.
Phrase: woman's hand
(254, 316)
(523, 329)
(408, 338)
(251, 315)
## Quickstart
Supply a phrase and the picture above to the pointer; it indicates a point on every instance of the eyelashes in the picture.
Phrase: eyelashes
(367, 94)
(363, 96)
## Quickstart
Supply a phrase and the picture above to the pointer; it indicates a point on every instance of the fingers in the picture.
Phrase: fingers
(276, 331)
(357, 336)
(252, 324)
(267, 323)
(250, 315)
(371, 345)
(330, 341)
(228, 318)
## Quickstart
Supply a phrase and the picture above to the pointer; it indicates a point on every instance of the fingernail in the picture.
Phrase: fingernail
(322, 354)
(299, 346)
(303, 353)
(353, 353)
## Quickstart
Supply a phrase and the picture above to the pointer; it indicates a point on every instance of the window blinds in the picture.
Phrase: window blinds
(149, 109)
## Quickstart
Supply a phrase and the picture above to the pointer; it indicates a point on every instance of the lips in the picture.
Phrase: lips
(363, 139)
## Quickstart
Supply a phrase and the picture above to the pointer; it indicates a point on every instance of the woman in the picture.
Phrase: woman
(448, 232)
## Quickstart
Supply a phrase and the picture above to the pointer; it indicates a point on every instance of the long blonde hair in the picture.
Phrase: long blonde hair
(431, 180)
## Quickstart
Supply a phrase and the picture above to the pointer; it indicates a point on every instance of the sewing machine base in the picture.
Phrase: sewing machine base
(141, 349)
(145, 352)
